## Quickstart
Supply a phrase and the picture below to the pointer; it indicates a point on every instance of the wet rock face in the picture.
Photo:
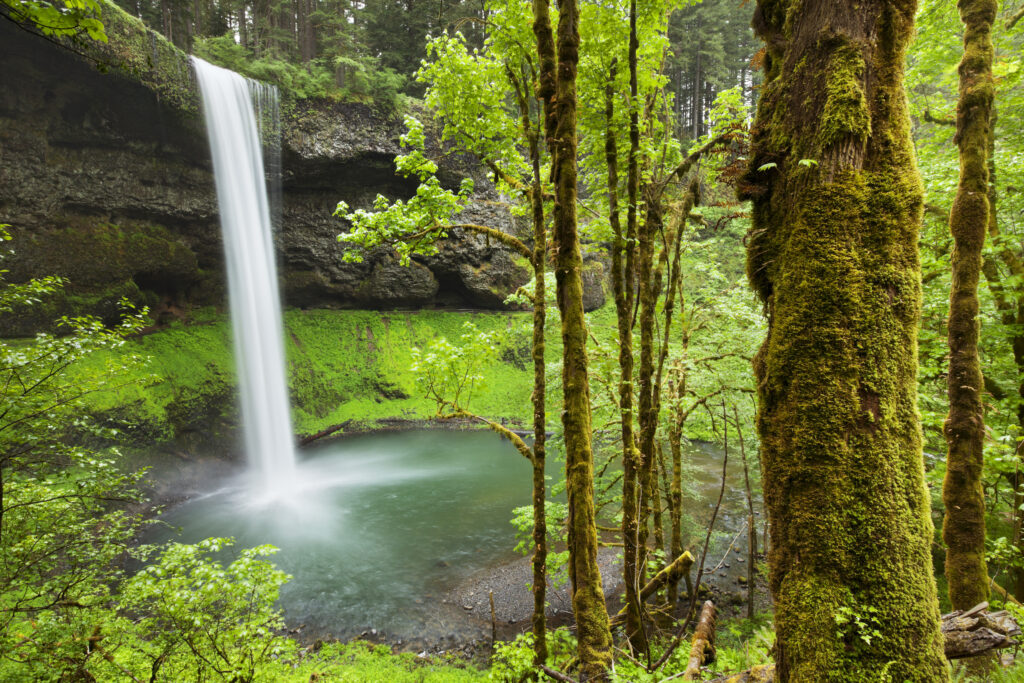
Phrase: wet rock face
(107, 186)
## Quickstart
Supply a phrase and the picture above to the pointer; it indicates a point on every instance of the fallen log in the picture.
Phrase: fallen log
(977, 631)
(679, 568)
(1002, 593)
(702, 649)
(670, 574)
(306, 440)
(759, 674)
(967, 634)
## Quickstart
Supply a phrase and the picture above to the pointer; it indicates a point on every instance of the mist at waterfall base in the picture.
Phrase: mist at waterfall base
(386, 525)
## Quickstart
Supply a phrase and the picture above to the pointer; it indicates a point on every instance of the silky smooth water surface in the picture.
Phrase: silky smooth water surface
(379, 527)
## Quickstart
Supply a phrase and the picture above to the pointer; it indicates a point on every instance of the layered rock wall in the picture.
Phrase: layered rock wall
(105, 179)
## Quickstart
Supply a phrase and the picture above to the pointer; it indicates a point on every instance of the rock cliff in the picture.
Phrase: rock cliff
(105, 179)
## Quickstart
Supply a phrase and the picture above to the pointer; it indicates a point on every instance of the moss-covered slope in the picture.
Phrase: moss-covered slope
(343, 366)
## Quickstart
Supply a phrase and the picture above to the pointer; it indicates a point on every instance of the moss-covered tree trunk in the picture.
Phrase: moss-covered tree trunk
(623, 276)
(963, 528)
(633, 517)
(539, 395)
(591, 614)
(833, 255)
(1010, 305)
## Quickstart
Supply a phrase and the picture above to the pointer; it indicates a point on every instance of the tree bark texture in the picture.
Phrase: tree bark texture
(591, 614)
(622, 287)
(832, 253)
(972, 633)
(702, 648)
(963, 528)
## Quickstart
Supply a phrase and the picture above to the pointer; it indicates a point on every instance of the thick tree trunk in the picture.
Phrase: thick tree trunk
(971, 633)
(833, 255)
(963, 528)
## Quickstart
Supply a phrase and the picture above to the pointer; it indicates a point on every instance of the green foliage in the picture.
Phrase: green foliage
(448, 373)
(857, 627)
(471, 92)
(409, 227)
(343, 366)
(190, 617)
(74, 19)
(360, 662)
(63, 526)
(555, 515)
(67, 610)
(744, 644)
(512, 661)
(340, 78)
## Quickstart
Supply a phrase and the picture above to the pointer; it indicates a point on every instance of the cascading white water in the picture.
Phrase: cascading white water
(235, 145)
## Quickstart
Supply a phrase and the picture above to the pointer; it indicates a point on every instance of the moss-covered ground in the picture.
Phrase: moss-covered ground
(342, 366)
(360, 662)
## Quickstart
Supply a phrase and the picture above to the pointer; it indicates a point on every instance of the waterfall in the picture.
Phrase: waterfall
(245, 218)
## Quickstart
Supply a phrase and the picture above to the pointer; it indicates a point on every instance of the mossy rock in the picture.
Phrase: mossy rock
(102, 263)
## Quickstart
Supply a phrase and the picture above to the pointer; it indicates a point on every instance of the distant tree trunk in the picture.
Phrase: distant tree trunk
(832, 253)
(743, 84)
(558, 64)
(963, 528)
(308, 45)
(197, 18)
(696, 94)
(168, 20)
(243, 28)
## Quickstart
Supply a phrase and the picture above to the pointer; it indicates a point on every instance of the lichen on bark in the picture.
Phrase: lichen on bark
(833, 255)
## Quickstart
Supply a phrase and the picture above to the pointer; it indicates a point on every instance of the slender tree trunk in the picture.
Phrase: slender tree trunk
(963, 528)
(632, 458)
(833, 255)
(168, 20)
(539, 397)
(622, 286)
(558, 64)
(648, 421)
(675, 439)
(1010, 304)
(751, 526)
(243, 29)
(695, 95)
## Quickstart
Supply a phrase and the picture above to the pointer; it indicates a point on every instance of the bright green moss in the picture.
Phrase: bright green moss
(343, 366)
(845, 115)
(147, 57)
(833, 254)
